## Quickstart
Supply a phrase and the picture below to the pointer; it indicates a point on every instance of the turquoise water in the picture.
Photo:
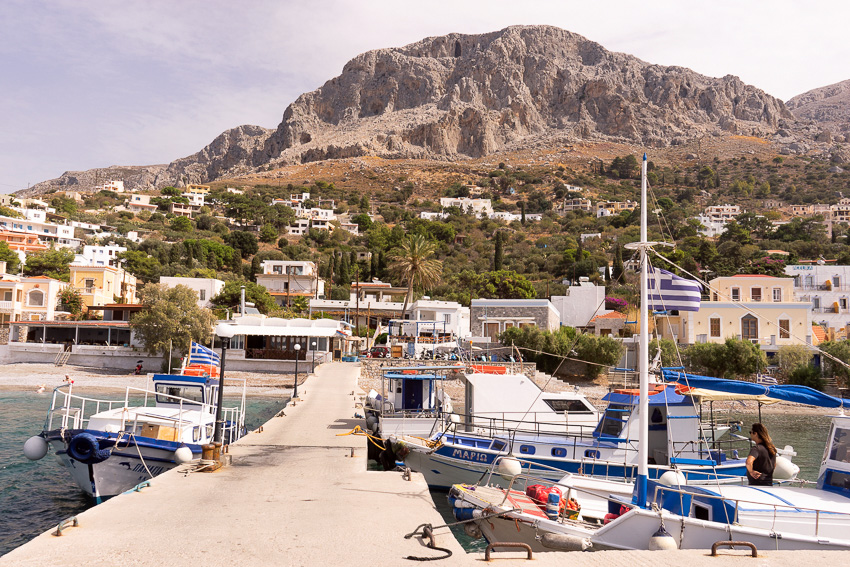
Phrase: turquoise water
(36, 495)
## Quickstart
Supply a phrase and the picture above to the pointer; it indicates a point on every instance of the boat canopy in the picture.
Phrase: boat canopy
(784, 392)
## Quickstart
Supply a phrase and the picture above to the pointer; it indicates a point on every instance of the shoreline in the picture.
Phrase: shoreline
(23, 376)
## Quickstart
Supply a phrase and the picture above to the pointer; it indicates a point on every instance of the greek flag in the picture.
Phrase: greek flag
(669, 292)
(199, 354)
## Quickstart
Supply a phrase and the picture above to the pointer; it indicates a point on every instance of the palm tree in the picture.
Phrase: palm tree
(413, 264)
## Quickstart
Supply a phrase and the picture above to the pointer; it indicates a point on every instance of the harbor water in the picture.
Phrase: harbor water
(34, 496)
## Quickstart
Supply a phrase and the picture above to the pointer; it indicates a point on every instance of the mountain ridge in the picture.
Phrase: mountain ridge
(464, 96)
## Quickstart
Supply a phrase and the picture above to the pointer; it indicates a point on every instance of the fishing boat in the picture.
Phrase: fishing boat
(608, 450)
(111, 446)
(672, 512)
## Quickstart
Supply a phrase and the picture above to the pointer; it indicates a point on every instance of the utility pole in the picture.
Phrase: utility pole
(357, 308)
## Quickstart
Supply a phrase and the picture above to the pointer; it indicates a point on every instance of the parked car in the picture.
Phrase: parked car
(379, 352)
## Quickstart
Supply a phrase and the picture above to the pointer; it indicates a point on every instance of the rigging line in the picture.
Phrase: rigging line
(660, 217)
(752, 312)
(702, 440)
(570, 349)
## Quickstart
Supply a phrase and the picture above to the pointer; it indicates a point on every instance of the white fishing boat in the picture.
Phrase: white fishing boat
(671, 512)
(111, 446)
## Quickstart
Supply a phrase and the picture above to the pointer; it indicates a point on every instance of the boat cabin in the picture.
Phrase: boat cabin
(174, 390)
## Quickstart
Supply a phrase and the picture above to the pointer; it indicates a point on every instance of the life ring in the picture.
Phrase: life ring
(85, 449)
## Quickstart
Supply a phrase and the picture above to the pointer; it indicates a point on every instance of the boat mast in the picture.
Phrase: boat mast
(643, 350)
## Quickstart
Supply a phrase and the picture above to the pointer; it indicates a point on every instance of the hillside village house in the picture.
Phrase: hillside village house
(490, 317)
(757, 308)
(101, 285)
(22, 243)
(99, 255)
(197, 189)
(205, 288)
(29, 299)
(287, 279)
(610, 208)
(35, 224)
(477, 207)
(581, 303)
(140, 203)
(826, 288)
(184, 209)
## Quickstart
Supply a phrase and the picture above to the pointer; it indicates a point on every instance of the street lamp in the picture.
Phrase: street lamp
(224, 332)
(313, 368)
(297, 350)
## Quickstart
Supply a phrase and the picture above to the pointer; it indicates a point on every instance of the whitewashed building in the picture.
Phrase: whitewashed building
(582, 302)
(205, 288)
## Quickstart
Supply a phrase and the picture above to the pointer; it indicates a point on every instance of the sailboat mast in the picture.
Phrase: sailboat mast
(643, 348)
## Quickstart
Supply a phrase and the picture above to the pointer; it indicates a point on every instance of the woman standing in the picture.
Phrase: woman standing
(762, 458)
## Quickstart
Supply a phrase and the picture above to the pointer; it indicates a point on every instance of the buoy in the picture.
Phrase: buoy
(509, 468)
(564, 542)
(35, 448)
(183, 454)
(661, 540)
(472, 530)
(553, 505)
(785, 469)
(673, 478)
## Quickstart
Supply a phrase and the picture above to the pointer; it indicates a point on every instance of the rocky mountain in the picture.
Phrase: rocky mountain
(460, 96)
(828, 106)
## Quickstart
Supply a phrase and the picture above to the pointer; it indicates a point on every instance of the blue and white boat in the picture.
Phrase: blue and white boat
(110, 446)
(610, 451)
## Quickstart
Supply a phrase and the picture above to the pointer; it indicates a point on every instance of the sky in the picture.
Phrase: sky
(99, 83)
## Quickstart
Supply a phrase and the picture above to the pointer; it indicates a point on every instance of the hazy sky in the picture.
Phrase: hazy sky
(96, 83)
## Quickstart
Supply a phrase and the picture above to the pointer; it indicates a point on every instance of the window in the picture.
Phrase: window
(36, 298)
(447, 318)
(7, 296)
(202, 295)
(777, 294)
(508, 325)
(736, 294)
(784, 329)
(836, 282)
(755, 294)
(749, 328)
(816, 303)
(842, 303)
(89, 285)
(714, 323)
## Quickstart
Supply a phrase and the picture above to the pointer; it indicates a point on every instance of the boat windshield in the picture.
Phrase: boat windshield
(170, 393)
(568, 406)
(840, 445)
(613, 420)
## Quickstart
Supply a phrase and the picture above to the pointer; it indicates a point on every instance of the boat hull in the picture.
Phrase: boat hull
(128, 465)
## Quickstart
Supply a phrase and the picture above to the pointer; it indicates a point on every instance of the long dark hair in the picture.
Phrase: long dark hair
(761, 430)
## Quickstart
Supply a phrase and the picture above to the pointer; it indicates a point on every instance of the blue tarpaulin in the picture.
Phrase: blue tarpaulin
(782, 392)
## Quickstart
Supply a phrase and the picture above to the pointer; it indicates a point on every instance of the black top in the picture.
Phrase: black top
(764, 463)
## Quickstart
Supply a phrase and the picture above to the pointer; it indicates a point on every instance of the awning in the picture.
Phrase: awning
(783, 393)
(274, 327)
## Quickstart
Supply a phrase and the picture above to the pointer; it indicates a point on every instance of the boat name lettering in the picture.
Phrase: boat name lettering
(469, 455)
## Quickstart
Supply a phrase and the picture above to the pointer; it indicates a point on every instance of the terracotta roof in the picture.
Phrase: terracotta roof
(818, 333)
(611, 315)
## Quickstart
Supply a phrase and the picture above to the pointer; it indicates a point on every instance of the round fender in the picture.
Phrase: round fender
(85, 449)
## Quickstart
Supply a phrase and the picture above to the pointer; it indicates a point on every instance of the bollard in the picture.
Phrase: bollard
(724, 543)
(207, 452)
(507, 544)
(216, 451)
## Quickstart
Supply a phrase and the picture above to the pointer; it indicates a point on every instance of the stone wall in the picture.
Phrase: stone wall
(542, 316)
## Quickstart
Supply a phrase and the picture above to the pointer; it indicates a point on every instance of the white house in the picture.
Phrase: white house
(139, 203)
(206, 288)
(827, 288)
(36, 224)
(478, 207)
(582, 302)
(100, 255)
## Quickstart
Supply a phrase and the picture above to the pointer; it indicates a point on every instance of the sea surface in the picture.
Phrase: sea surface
(36, 495)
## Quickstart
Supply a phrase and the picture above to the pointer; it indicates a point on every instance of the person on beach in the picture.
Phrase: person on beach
(762, 458)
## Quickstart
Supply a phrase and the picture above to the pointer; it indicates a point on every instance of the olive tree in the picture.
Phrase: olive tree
(173, 318)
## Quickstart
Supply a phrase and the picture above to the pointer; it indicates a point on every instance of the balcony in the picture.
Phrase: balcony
(10, 305)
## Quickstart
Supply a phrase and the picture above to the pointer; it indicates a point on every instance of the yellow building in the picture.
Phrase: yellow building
(100, 285)
(757, 308)
(199, 189)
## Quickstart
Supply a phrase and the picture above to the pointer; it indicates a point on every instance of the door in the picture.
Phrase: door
(411, 392)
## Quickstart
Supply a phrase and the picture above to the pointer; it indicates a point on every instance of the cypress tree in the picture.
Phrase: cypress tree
(498, 255)
(373, 272)
(617, 273)
(522, 210)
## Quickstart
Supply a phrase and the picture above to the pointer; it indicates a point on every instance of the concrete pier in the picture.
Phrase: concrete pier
(299, 494)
